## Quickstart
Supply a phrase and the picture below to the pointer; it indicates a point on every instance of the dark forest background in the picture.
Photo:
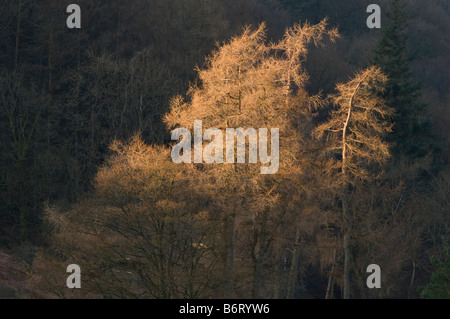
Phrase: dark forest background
(67, 94)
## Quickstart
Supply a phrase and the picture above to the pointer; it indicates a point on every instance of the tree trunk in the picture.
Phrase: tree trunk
(330, 287)
(19, 18)
(229, 256)
(293, 272)
(348, 228)
(50, 57)
(278, 282)
(413, 275)
(259, 260)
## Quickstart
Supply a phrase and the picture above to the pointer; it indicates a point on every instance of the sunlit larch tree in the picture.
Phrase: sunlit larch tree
(355, 142)
(249, 83)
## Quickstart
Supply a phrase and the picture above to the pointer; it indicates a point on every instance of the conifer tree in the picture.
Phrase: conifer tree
(411, 132)
(439, 286)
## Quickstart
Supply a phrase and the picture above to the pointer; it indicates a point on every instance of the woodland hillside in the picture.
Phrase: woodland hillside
(87, 174)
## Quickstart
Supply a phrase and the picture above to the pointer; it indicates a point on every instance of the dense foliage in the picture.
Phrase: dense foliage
(85, 167)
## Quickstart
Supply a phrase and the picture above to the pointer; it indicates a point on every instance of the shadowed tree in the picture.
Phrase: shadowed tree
(439, 286)
(411, 132)
(142, 235)
(21, 109)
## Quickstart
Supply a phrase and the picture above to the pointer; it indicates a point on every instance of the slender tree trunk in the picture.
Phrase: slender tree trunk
(259, 262)
(346, 214)
(50, 57)
(164, 293)
(330, 287)
(278, 282)
(362, 286)
(19, 18)
(229, 256)
(50, 85)
(22, 205)
(293, 272)
(118, 34)
(413, 275)
(348, 225)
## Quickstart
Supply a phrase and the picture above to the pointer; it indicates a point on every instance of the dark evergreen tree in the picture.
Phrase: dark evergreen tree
(439, 286)
(411, 132)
